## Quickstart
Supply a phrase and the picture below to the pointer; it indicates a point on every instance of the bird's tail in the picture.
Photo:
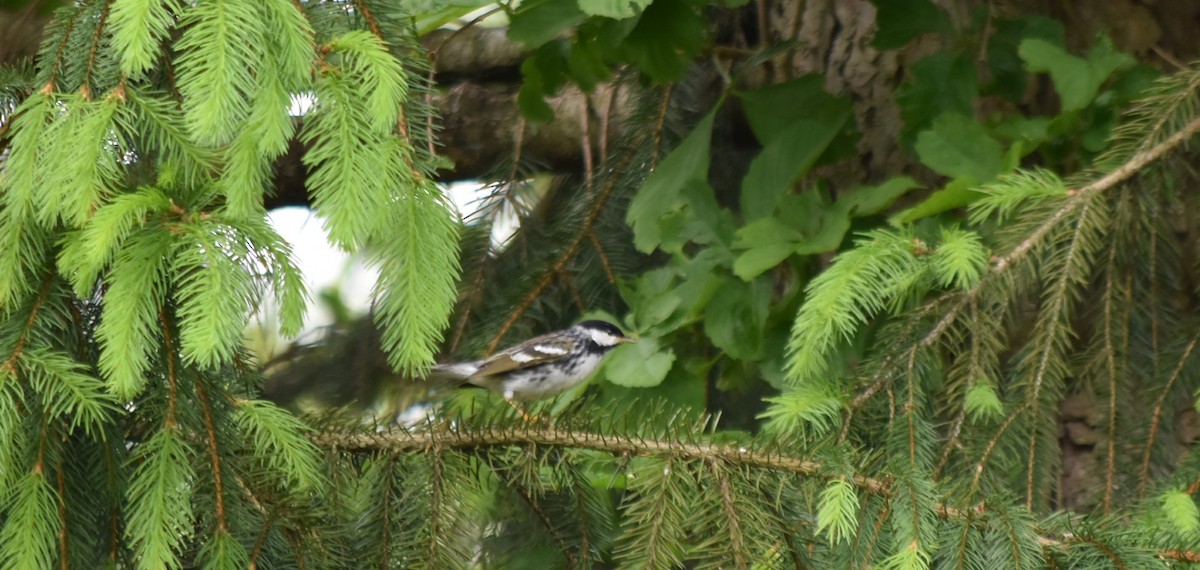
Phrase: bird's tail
(448, 376)
(459, 371)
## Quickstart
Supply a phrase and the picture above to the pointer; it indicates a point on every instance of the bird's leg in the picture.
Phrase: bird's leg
(508, 397)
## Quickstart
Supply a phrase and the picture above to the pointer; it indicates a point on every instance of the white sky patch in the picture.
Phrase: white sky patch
(323, 265)
(468, 196)
(302, 103)
(326, 267)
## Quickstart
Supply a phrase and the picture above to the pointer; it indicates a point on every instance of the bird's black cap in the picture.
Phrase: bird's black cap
(603, 326)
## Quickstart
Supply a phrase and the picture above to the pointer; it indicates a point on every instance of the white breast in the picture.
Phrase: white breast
(551, 381)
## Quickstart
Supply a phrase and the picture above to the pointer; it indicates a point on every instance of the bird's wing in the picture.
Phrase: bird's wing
(535, 351)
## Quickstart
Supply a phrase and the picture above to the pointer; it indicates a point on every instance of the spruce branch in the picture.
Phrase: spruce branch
(559, 265)
(214, 457)
(413, 440)
(729, 506)
(530, 501)
(1156, 416)
(63, 542)
(172, 380)
(1111, 370)
(1077, 198)
(60, 52)
(437, 496)
(10, 363)
(1080, 196)
(1052, 331)
(137, 30)
(96, 39)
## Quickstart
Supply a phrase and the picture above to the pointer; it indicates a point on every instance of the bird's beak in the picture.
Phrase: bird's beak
(626, 340)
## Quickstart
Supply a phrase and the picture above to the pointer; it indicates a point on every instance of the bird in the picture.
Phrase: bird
(540, 367)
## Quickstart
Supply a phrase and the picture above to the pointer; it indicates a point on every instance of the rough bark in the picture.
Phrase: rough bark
(21, 31)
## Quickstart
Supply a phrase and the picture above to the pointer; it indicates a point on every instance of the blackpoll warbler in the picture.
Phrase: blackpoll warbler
(540, 367)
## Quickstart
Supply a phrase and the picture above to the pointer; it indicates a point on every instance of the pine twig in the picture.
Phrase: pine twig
(402, 440)
(214, 457)
(1156, 418)
(446, 439)
(559, 265)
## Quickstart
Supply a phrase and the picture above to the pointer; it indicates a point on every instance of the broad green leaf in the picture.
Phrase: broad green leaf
(736, 315)
(785, 160)
(753, 262)
(661, 191)
(944, 82)
(710, 224)
(698, 282)
(1008, 74)
(772, 110)
(1076, 79)
(591, 51)
(539, 21)
(956, 146)
(431, 16)
(957, 193)
(699, 219)
(650, 311)
(796, 122)
(900, 21)
(542, 75)
(767, 241)
(834, 224)
(639, 365)
(766, 231)
(1032, 130)
(617, 9)
(667, 37)
(667, 298)
(870, 200)
(807, 224)
(685, 388)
